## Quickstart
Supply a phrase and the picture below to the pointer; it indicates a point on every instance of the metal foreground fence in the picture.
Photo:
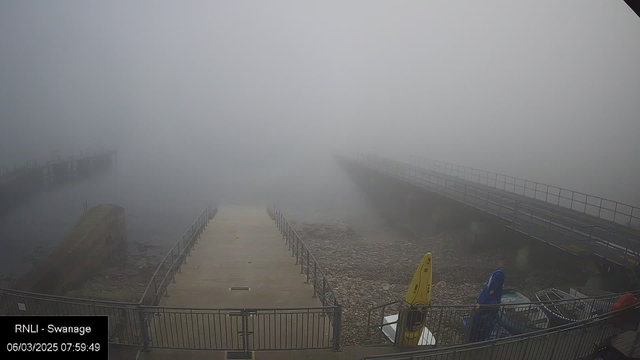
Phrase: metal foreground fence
(606, 209)
(454, 324)
(124, 318)
(147, 325)
(128, 322)
(313, 271)
(568, 342)
(241, 329)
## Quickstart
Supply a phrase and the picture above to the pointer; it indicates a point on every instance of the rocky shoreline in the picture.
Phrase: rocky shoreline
(125, 276)
(366, 274)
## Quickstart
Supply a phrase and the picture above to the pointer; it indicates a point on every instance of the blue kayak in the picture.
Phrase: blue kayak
(482, 321)
(497, 331)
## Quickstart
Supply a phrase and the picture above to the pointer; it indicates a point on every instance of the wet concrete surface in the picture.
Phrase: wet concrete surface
(241, 247)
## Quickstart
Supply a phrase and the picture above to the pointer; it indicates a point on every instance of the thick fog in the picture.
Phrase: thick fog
(221, 99)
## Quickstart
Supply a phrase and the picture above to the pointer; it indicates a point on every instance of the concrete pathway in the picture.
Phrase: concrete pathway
(240, 249)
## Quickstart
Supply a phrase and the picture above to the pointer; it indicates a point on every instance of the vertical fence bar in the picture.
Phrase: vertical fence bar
(324, 283)
(307, 267)
(337, 325)
(292, 243)
(315, 276)
(144, 334)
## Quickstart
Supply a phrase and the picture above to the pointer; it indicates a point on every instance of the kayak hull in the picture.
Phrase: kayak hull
(520, 319)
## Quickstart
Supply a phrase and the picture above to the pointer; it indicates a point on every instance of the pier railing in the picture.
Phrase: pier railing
(170, 265)
(615, 211)
(547, 226)
(310, 267)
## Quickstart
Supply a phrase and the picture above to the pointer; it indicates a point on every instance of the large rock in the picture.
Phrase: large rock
(96, 235)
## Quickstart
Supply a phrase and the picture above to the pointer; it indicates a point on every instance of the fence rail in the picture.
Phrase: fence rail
(127, 321)
(310, 267)
(453, 324)
(570, 341)
(170, 265)
(560, 231)
(241, 329)
(147, 325)
(124, 319)
(305, 259)
(610, 210)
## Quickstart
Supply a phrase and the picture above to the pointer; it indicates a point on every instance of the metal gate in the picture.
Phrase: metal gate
(242, 329)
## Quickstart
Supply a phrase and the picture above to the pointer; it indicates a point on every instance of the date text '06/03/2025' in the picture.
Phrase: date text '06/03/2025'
(52, 329)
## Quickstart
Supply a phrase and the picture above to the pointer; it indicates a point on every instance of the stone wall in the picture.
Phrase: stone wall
(97, 234)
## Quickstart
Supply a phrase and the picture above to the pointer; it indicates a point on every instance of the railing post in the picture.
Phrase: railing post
(337, 327)
(185, 259)
(293, 245)
(324, 283)
(144, 331)
(306, 282)
(315, 276)
(245, 330)
(285, 231)
(155, 292)
(302, 260)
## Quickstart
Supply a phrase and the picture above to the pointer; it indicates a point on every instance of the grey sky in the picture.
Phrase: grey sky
(545, 90)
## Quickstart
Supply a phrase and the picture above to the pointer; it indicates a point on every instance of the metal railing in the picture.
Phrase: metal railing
(453, 324)
(150, 326)
(310, 267)
(170, 265)
(241, 329)
(570, 341)
(127, 322)
(547, 226)
(189, 328)
(124, 318)
(54, 160)
(610, 210)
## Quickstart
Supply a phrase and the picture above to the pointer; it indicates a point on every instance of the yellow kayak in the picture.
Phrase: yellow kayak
(412, 314)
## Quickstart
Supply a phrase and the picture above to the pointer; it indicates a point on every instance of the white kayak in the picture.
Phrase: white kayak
(389, 330)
